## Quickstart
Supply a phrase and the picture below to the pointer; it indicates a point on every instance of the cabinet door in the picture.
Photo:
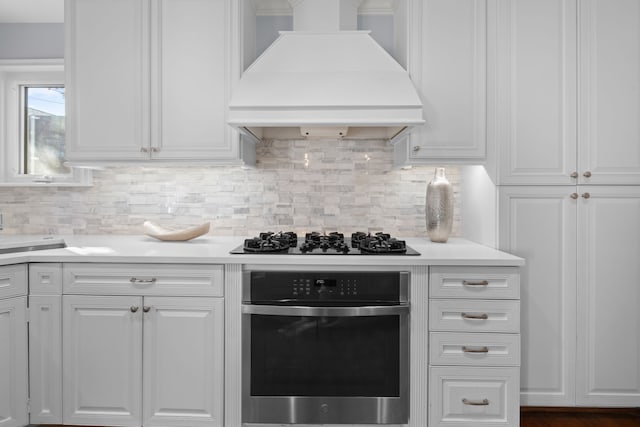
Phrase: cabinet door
(102, 358)
(609, 101)
(539, 224)
(107, 83)
(189, 80)
(45, 359)
(449, 71)
(13, 362)
(183, 361)
(535, 106)
(608, 360)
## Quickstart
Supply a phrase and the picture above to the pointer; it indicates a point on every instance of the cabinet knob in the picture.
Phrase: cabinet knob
(416, 148)
(586, 195)
(574, 196)
(574, 174)
(144, 149)
(155, 149)
(146, 308)
(134, 308)
(587, 174)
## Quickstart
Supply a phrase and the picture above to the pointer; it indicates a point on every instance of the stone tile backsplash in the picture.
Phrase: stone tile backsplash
(297, 185)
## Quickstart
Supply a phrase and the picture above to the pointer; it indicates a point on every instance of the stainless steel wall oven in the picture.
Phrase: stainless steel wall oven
(325, 347)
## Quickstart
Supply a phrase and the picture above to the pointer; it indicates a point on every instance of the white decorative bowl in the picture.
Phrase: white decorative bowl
(161, 233)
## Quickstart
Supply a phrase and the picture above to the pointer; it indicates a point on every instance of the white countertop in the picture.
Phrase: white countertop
(215, 250)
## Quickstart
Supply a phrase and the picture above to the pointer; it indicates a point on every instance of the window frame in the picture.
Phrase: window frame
(14, 74)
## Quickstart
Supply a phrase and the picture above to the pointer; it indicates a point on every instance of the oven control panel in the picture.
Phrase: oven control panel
(272, 286)
(325, 287)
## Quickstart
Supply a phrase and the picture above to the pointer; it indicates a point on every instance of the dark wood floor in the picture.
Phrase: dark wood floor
(571, 417)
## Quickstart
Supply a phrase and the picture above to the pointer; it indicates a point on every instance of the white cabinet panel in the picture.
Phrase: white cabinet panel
(448, 66)
(610, 91)
(539, 224)
(143, 279)
(102, 360)
(45, 278)
(535, 113)
(609, 296)
(188, 80)
(13, 362)
(13, 280)
(472, 396)
(45, 359)
(472, 349)
(183, 361)
(474, 315)
(107, 66)
(474, 282)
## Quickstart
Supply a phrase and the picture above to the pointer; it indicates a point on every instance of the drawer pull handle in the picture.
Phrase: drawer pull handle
(483, 402)
(133, 308)
(483, 349)
(483, 316)
(475, 283)
(136, 280)
(146, 308)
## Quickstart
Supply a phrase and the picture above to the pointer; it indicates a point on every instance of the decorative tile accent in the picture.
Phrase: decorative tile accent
(297, 185)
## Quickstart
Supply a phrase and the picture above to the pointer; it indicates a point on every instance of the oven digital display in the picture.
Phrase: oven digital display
(330, 283)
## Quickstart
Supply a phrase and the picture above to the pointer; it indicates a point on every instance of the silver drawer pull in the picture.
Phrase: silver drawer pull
(483, 402)
(475, 283)
(483, 316)
(483, 349)
(136, 280)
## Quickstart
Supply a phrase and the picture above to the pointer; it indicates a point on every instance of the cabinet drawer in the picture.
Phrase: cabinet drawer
(13, 280)
(474, 282)
(143, 279)
(474, 316)
(477, 349)
(45, 278)
(469, 396)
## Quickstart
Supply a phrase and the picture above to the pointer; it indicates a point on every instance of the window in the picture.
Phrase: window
(32, 137)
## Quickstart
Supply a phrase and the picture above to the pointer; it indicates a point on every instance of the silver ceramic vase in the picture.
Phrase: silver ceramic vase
(439, 207)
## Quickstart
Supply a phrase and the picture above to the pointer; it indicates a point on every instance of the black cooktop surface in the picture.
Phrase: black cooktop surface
(315, 243)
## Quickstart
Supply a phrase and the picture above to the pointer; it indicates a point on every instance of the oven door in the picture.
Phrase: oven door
(325, 365)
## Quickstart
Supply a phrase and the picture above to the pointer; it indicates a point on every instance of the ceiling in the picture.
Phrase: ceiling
(31, 11)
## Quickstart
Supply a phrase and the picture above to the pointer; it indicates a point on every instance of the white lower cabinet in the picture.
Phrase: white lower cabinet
(478, 396)
(474, 346)
(152, 361)
(13, 346)
(13, 362)
(580, 295)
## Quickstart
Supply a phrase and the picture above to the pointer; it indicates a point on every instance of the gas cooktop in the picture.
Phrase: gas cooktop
(315, 243)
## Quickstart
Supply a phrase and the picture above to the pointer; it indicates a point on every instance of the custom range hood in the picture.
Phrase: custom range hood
(325, 82)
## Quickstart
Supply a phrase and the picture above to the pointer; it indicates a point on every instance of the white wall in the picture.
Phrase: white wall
(31, 41)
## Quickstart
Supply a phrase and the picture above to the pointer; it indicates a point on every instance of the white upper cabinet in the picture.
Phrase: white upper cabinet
(448, 63)
(609, 92)
(148, 80)
(567, 91)
(107, 79)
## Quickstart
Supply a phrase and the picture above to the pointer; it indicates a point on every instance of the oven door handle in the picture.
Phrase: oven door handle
(278, 310)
